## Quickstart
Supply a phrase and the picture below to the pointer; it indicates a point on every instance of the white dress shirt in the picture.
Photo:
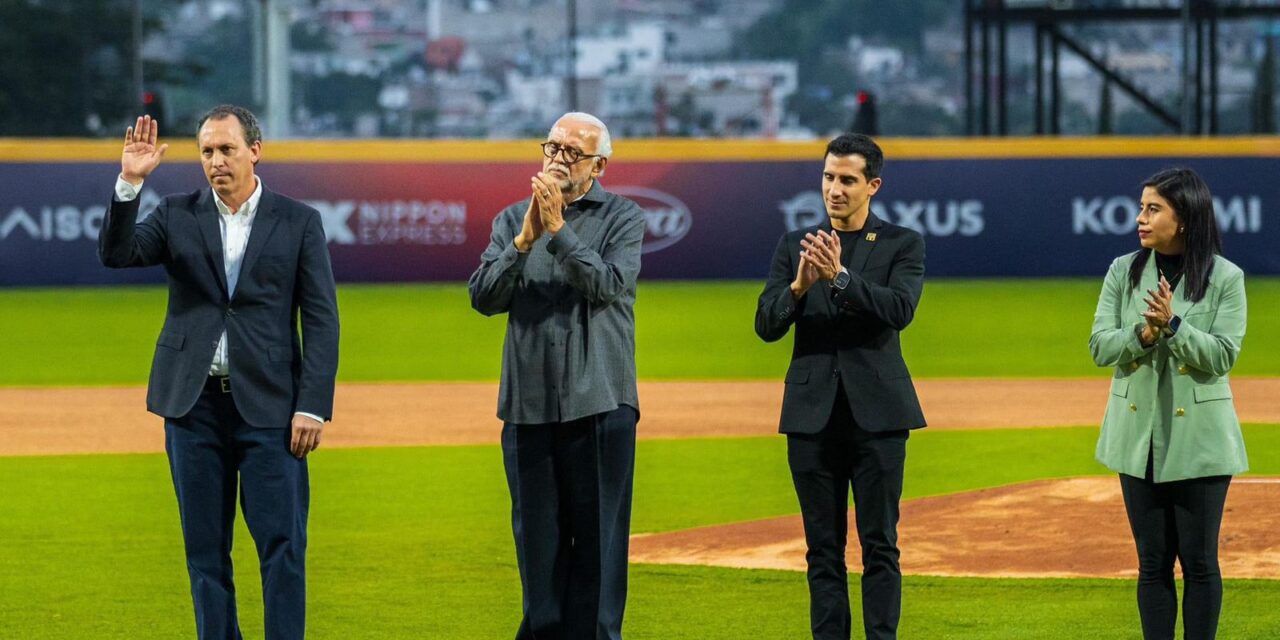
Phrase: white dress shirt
(235, 227)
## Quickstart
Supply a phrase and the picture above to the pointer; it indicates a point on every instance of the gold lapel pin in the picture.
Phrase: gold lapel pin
(871, 237)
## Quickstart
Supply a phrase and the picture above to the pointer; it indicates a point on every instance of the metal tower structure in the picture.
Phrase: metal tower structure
(987, 23)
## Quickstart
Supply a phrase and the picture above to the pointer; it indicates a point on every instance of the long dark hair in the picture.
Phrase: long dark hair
(1190, 199)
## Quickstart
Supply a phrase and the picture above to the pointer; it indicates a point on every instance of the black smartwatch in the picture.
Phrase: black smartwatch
(841, 280)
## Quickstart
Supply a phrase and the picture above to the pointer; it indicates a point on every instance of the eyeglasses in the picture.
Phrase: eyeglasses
(571, 155)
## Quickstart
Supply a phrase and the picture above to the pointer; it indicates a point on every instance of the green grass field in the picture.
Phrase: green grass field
(415, 542)
(963, 328)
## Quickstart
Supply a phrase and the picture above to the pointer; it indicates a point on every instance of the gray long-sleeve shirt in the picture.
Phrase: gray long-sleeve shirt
(570, 346)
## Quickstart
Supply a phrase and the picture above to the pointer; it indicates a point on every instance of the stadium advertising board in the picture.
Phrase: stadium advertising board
(429, 221)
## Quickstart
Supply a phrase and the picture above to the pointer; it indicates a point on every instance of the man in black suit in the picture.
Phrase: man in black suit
(243, 402)
(849, 285)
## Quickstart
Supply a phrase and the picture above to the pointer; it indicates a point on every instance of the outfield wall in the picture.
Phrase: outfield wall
(421, 210)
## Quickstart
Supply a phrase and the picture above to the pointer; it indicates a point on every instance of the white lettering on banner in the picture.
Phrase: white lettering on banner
(1241, 215)
(431, 222)
(334, 216)
(1118, 215)
(666, 219)
(938, 218)
(65, 223)
(1115, 215)
(931, 218)
(19, 218)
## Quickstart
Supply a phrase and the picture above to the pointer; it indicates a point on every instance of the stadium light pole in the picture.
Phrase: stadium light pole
(1188, 86)
(272, 74)
(135, 24)
(571, 79)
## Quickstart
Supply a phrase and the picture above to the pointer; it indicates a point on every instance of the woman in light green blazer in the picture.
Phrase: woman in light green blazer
(1170, 320)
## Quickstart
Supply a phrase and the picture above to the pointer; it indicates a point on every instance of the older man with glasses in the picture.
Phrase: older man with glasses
(562, 264)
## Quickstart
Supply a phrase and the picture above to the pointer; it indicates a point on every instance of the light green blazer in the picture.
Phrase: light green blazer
(1173, 397)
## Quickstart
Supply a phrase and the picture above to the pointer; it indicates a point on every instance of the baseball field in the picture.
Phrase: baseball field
(1010, 529)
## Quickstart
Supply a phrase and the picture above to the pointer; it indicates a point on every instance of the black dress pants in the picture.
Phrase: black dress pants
(214, 455)
(1180, 520)
(823, 467)
(570, 489)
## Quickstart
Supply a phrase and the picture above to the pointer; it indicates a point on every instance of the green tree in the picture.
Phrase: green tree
(815, 33)
(64, 64)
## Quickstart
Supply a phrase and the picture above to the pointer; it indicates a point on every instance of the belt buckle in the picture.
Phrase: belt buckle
(225, 383)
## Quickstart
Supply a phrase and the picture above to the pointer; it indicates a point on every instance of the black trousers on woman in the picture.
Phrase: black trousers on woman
(1177, 520)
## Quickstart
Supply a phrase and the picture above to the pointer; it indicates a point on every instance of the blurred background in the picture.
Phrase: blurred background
(1017, 135)
(1017, 132)
(702, 68)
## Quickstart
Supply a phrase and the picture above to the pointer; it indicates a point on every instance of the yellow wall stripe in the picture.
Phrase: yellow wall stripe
(663, 149)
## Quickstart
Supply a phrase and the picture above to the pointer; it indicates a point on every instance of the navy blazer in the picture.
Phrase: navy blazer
(851, 337)
(285, 275)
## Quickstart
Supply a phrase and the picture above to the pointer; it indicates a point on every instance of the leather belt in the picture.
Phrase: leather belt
(219, 384)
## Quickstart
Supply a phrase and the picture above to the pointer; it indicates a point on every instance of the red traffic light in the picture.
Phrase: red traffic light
(148, 98)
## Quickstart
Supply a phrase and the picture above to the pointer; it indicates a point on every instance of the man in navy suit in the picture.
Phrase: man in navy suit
(243, 402)
(849, 285)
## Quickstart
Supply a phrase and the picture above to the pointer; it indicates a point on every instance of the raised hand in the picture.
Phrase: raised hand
(141, 156)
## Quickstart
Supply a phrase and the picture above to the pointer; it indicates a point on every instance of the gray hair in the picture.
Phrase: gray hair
(248, 121)
(604, 147)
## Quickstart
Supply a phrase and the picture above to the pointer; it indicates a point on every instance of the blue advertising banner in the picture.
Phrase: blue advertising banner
(708, 219)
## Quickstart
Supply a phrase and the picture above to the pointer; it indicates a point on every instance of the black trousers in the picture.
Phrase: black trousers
(212, 452)
(1177, 519)
(571, 515)
(823, 467)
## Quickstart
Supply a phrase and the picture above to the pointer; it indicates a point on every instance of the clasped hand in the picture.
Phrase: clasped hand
(1159, 312)
(819, 260)
(1159, 306)
(545, 212)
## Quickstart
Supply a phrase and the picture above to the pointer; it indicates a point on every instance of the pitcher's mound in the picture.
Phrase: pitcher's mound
(1047, 528)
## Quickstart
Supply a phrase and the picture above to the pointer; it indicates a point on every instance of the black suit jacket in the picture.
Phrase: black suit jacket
(285, 275)
(851, 337)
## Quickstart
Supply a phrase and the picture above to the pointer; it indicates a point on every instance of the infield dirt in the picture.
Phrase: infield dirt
(42, 421)
(1073, 527)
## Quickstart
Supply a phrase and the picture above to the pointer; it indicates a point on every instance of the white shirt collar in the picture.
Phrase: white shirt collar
(249, 207)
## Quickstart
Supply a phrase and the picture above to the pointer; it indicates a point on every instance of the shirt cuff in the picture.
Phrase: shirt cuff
(309, 415)
(512, 257)
(562, 241)
(126, 192)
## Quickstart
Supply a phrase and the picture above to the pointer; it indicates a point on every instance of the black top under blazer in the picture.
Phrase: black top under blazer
(850, 337)
(285, 276)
